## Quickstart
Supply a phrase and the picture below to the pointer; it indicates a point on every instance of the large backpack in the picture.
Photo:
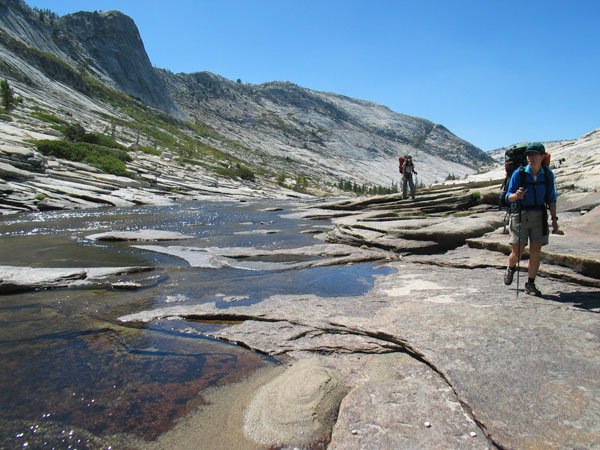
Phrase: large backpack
(514, 157)
(401, 165)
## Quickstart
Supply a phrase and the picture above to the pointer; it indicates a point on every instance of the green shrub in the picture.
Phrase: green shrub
(225, 172)
(301, 184)
(107, 159)
(149, 150)
(239, 171)
(244, 172)
(76, 133)
(102, 140)
(73, 132)
(202, 129)
(109, 164)
(45, 117)
(193, 162)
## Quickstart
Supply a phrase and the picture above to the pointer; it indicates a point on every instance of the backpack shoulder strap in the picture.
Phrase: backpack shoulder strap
(547, 182)
(523, 176)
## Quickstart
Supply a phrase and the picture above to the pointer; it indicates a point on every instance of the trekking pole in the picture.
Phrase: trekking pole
(519, 248)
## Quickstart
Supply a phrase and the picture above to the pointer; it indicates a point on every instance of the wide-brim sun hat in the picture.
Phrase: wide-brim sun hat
(535, 148)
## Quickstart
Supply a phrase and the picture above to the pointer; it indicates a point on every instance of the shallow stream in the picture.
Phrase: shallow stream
(72, 374)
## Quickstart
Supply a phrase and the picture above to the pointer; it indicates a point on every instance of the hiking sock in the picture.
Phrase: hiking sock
(531, 280)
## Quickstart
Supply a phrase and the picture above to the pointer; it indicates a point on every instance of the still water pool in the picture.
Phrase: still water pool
(72, 374)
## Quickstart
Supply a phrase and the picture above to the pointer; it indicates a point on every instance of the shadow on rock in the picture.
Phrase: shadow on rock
(589, 301)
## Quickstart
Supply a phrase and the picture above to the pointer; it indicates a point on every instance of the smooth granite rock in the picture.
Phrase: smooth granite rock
(8, 171)
(15, 279)
(296, 408)
(404, 404)
(522, 369)
(292, 258)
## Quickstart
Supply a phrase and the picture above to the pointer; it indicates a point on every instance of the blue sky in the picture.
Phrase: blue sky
(494, 72)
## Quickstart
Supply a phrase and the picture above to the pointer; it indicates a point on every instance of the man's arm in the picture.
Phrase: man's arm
(512, 193)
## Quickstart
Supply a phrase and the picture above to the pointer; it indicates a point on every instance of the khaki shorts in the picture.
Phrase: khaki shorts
(531, 227)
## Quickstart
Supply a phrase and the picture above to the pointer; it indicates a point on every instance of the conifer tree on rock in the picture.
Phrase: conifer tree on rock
(9, 101)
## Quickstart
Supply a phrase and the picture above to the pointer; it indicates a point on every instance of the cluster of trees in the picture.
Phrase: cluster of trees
(351, 186)
(44, 14)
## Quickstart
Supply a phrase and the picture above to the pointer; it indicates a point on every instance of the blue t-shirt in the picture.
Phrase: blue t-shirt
(536, 191)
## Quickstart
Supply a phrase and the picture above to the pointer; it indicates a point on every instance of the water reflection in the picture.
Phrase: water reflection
(69, 371)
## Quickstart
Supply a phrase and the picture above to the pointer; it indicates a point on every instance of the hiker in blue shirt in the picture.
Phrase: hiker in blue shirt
(534, 188)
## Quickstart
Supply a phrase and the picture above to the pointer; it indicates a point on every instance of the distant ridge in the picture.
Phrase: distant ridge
(296, 130)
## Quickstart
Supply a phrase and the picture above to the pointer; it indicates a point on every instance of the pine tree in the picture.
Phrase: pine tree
(8, 96)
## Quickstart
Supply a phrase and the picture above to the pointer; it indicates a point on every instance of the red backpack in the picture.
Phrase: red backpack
(401, 165)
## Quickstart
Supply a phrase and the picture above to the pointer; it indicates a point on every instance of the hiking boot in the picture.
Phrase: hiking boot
(509, 275)
(532, 290)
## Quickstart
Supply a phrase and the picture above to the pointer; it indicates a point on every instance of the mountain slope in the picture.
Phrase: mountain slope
(105, 44)
(279, 126)
(323, 132)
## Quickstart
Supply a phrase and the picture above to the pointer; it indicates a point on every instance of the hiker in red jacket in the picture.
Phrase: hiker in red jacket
(407, 171)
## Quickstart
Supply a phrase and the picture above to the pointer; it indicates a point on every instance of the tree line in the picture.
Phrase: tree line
(358, 189)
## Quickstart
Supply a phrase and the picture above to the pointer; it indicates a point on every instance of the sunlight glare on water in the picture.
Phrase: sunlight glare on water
(70, 372)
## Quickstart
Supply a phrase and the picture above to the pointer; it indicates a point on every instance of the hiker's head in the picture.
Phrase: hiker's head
(535, 148)
(535, 153)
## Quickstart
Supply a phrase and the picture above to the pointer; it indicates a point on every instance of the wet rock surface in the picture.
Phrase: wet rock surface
(512, 363)
(16, 279)
(440, 353)
(279, 259)
(139, 235)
